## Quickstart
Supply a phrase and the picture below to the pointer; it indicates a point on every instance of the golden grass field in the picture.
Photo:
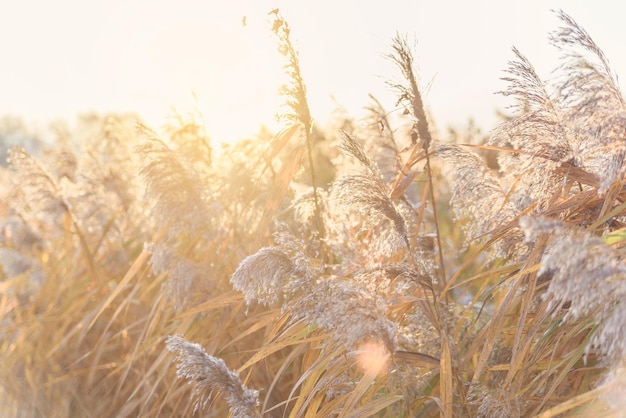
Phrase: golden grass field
(371, 268)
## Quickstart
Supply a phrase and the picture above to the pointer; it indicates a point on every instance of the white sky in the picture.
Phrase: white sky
(59, 58)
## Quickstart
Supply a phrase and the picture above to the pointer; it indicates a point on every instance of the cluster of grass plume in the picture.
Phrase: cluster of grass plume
(424, 280)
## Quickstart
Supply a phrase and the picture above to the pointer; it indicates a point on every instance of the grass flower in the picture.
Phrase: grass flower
(211, 373)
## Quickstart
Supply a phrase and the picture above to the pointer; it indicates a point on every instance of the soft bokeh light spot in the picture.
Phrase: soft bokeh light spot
(373, 357)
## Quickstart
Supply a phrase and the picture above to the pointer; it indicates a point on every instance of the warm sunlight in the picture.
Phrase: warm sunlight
(143, 57)
(212, 60)
(147, 57)
(232, 70)
(400, 244)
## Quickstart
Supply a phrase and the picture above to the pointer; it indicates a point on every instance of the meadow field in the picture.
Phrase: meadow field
(378, 267)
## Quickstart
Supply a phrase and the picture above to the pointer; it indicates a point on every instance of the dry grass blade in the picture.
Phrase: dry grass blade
(283, 178)
(138, 264)
(416, 359)
(312, 384)
(490, 334)
(355, 396)
(372, 408)
(281, 140)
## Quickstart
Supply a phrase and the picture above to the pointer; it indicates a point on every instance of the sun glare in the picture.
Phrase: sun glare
(229, 73)
(219, 60)
(74, 57)
(373, 358)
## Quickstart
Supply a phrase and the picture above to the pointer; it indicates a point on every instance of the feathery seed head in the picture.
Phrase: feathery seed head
(211, 373)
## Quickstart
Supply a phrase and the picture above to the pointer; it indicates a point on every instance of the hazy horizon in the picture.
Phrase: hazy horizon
(68, 58)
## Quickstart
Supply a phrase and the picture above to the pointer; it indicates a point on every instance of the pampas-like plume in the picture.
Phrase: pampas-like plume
(294, 92)
(174, 188)
(410, 94)
(596, 110)
(273, 271)
(382, 145)
(539, 133)
(393, 280)
(477, 195)
(211, 373)
(181, 272)
(369, 194)
(263, 276)
(590, 85)
(498, 404)
(539, 129)
(526, 85)
(591, 276)
(295, 89)
(37, 187)
(191, 139)
(421, 137)
(348, 311)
